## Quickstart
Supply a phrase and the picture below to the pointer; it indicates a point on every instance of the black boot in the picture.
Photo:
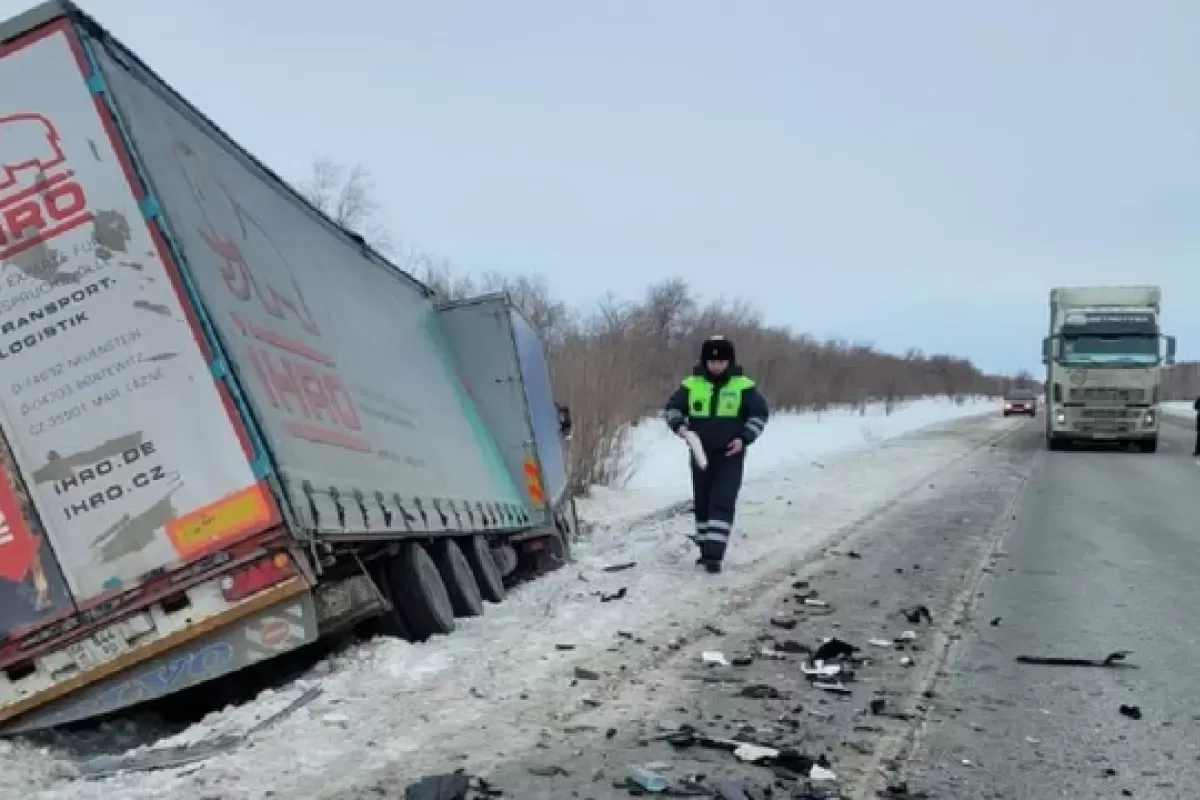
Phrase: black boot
(712, 566)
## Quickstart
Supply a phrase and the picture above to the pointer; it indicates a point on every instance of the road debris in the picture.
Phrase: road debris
(834, 649)
(917, 613)
(833, 687)
(1115, 660)
(648, 780)
(1133, 712)
(759, 691)
(451, 786)
(619, 594)
(714, 658)
(821, 669)
(621, 567)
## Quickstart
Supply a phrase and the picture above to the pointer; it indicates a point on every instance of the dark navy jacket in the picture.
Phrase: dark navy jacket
(718, 412)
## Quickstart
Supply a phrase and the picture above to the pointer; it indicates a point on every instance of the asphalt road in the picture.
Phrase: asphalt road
(1103, 554)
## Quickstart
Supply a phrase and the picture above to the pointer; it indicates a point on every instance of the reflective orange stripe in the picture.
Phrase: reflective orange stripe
(533, 483)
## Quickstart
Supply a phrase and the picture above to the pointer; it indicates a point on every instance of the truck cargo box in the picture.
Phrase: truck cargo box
(365, 426)
(1101, 296)
(503, 367)
(133, 457)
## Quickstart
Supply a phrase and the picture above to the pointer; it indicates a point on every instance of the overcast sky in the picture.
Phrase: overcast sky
(907, 173)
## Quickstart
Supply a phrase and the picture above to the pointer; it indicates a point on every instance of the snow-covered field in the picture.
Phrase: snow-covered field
(501, 683)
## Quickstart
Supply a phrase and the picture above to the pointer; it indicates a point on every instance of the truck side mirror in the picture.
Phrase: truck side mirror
(1047, 351)
(565, 425)
(1170, 359)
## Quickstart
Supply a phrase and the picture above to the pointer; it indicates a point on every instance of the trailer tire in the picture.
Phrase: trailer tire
(488, 576)
(459, 578)
(391, 622)
(420, 593)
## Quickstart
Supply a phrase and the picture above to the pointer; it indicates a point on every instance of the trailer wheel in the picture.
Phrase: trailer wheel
(459, 578)
(488, 577)
(390, 622)
(420, 593)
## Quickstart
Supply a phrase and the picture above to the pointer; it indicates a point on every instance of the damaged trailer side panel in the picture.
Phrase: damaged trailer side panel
(368, 429)
(130, 452)
(507, 378)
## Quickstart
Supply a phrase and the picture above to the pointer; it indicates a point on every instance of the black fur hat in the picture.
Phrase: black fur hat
(717, 348)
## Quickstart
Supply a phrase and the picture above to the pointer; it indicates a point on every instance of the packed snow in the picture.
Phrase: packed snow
(659, 460)
(500, 683)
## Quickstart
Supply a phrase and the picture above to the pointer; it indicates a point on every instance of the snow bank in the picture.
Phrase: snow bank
(659, 459)
(1178, 408)
(390, 711)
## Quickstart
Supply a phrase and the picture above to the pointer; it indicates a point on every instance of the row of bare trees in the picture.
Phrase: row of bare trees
(615, 364)
(1182, 381)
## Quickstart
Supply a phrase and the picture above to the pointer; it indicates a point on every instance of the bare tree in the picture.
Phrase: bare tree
(347, 196)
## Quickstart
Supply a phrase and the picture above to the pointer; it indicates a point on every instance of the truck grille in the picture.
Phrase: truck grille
(1103, 425)
(1105, 394)
(1107, 413)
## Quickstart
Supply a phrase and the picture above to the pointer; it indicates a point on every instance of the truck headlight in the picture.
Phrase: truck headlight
(1150, 417)
(1060, 417)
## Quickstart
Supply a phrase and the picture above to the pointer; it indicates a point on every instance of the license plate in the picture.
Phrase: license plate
(104, 645)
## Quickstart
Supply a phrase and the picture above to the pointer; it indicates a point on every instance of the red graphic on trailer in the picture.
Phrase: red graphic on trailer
(18, 546)
(39, 196)
(27, 142)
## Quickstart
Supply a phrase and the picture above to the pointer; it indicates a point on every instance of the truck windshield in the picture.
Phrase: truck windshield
(1127, 350)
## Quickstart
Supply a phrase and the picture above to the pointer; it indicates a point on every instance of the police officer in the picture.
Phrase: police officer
(721, 405)
(1196, 449)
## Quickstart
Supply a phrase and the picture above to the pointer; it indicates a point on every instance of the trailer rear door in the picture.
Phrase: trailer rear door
(128, 447)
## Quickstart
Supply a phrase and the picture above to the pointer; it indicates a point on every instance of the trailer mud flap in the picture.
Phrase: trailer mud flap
(273, 631)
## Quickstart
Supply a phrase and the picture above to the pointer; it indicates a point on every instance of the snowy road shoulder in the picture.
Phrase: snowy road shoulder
(390, 711)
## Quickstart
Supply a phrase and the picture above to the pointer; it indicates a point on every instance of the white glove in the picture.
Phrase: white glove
(693, 441)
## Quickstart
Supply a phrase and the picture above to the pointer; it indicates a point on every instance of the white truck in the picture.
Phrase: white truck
(1104, 359)
(229, 426)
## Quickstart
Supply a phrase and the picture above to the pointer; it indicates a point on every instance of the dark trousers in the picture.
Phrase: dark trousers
(715, 492)
(1196, 449)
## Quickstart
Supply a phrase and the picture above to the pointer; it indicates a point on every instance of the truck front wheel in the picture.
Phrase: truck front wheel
(419, 592)
(1149, 445)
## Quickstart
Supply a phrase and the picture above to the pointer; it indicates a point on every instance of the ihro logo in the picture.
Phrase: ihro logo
(39, 198)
